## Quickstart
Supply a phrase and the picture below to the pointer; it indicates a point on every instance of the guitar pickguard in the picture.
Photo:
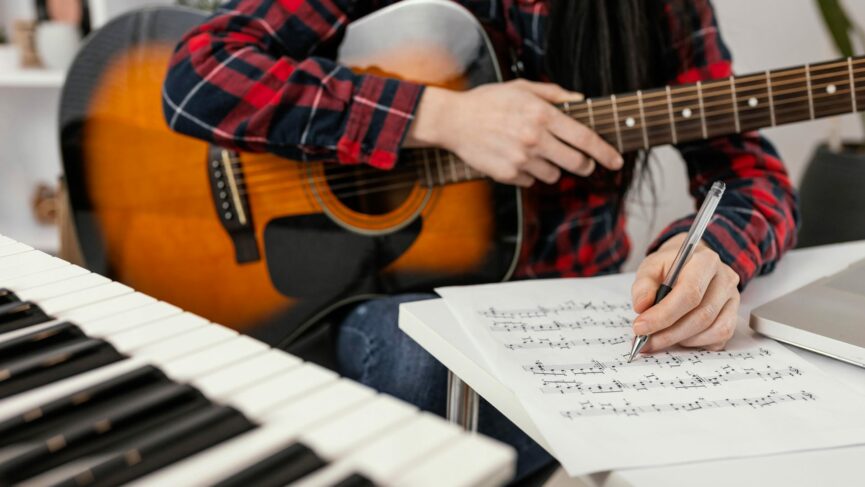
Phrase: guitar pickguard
(313, 245)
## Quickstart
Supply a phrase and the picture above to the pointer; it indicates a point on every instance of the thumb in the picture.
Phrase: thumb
(553, 93)
(643, 294)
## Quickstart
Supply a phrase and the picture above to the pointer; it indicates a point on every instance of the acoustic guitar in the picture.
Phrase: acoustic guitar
(270, 246)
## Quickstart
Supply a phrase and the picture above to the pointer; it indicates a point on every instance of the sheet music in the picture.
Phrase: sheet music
(562, 346)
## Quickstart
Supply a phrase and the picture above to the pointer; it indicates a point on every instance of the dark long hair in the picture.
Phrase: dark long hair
(603, 47)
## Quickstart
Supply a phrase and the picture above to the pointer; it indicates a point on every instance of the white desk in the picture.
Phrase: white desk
(431, 324)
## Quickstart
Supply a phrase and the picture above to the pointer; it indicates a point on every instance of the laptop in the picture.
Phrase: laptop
(826, 316)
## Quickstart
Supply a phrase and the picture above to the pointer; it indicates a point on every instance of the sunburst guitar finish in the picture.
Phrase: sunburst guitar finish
(268, 245)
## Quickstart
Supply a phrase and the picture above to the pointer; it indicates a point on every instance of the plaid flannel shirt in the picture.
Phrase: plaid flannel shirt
(259, 75)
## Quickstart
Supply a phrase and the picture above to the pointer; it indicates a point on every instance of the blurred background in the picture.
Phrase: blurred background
(39, 38)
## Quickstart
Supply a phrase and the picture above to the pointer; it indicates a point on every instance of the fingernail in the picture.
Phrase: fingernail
(640, 327)
(620, 162)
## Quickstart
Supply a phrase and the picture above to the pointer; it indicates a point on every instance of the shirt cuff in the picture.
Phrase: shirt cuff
(381, 113)
(725, 239)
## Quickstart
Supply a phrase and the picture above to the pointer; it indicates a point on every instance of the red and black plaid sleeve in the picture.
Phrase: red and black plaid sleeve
(757, 219)
(248, 78)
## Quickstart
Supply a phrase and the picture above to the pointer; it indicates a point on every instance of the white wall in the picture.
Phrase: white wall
(762, 34)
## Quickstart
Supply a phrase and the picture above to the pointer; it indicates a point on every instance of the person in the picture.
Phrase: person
(259, 75)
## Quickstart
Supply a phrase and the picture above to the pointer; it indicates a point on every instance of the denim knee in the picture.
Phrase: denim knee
(374, 351)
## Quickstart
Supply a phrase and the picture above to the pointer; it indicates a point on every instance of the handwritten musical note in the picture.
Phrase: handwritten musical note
(562, 345)
(663, 359)
(651, 381)
(589, 409)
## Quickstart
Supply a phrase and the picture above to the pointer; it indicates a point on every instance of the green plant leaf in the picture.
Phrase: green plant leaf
(839, 25)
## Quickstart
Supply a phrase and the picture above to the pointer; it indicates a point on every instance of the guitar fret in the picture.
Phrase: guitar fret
(810, 92)
(643, 120)
(441, 172)
(735, 103)
(771, 97)
(453, 168)
(429, 179)
(616, 123)
(591, 113)
(852, 83)
(702, 110)
(672, 117)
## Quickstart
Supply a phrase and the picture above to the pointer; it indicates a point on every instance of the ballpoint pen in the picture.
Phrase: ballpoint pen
(695, 234)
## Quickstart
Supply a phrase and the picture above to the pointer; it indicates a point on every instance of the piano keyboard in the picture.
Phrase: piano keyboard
(102, 385)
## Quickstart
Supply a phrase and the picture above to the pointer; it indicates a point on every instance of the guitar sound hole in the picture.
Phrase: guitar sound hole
(368, 190)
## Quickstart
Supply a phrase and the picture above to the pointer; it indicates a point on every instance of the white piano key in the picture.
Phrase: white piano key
(6, 240)
(391, 455)
(10, 335)
(213, 358)
(79, 299)
(185, 343)
(157, 354)
(337, 438)
(98, 328)
(141, 336)
(305, 412)
(50, 276)
(107, 308)
(132, 318)
(68, 286)
(460, 465)
(21, 403)
(221, 461)
(258, 399)
(15, 248)
(226, 381)
(32, 265)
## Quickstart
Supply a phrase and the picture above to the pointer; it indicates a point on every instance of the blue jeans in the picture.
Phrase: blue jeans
(371, 349)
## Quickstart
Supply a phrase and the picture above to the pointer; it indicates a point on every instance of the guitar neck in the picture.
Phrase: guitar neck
(697, 111)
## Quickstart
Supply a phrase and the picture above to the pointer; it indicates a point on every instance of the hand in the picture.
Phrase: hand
(701, 310)
(511, 132)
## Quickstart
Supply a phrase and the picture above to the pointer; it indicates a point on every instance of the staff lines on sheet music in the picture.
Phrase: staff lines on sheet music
(663, 360)
(625, 408)
(651, 381)
(556, 325)
(544, 311)
(563, 343)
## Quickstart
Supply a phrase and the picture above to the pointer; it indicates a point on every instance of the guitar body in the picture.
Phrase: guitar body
(260, 243)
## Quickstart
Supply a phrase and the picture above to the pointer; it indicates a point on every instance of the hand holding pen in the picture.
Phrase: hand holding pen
(684, 293)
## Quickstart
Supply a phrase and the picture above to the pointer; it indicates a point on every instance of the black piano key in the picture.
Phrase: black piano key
(174, 442)
(355, 480)
(54, 363)
(285, 466)
(7, 296)
(102, 429)
(39, 340)
(53, 415)
(17, 315)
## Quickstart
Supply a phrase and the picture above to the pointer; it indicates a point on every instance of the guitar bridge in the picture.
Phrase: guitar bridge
(231, 204)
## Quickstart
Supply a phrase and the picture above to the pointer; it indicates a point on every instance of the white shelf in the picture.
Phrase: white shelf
(31, 78)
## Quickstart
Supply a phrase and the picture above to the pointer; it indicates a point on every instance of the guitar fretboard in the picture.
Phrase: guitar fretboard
(686, 113)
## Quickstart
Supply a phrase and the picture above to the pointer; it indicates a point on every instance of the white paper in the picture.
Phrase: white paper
(562, 345)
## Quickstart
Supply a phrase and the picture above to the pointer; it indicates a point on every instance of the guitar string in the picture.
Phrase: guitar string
(718, 87)
(742, 90)
(368, 185)
(724, 96)
(376, 176)
(707, 114)
(665, 114)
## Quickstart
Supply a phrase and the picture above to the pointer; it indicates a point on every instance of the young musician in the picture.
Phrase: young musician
(259, 75)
